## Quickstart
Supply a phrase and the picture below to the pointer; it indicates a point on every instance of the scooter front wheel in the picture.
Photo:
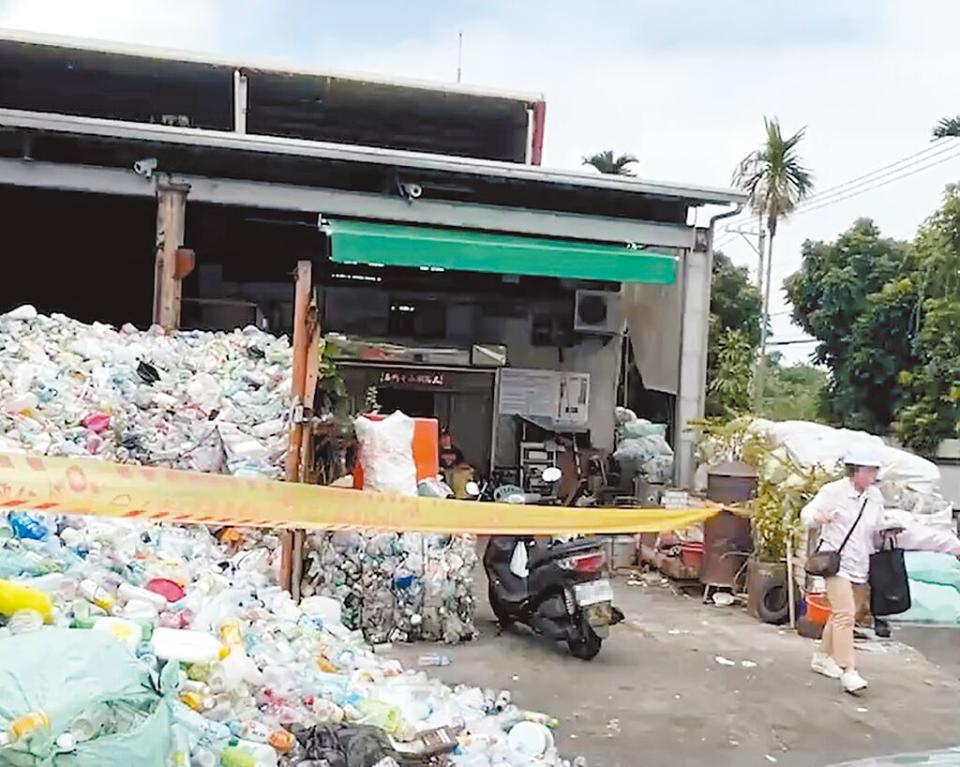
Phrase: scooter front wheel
(586, 645)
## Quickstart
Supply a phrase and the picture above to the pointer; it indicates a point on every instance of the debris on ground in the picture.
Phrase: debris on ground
(176, 642)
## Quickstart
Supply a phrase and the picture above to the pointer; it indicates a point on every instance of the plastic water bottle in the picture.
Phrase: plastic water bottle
(25, 621)
(26, 526)
(187, 646)
(23, 727)
(433, 659)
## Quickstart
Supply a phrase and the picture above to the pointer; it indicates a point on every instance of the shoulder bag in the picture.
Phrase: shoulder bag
(827, 563)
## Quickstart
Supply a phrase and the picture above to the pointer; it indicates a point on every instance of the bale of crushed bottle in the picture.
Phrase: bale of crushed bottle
(396, 587)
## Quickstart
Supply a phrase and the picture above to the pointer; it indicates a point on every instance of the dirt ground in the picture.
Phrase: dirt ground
(656, 694)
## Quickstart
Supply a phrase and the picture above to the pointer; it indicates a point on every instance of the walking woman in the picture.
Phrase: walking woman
(848, 513)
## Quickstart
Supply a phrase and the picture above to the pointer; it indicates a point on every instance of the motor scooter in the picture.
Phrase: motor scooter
(558, 589)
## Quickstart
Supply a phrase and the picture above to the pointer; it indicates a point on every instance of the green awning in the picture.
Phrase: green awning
(365, 242)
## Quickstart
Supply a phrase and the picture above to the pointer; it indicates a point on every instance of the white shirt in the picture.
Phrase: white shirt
(843, 498)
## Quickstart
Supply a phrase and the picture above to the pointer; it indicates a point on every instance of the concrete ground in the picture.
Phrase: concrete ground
(657, 695)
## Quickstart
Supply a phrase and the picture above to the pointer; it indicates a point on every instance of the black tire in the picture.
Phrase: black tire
(498, 609)
(586, 646)
(772, 605)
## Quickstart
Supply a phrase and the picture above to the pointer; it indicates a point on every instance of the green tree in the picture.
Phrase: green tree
(792, 392)
(858, 297)
(776, 179)
(731, 384)
(948, 127)
(607, 162)
(734, 305)
(932, 410)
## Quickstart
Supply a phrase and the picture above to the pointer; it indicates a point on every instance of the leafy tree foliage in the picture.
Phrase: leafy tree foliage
(732, 381)
(608, 162)
(858, 296)
(792, 392)
(932, 386)
(734, 305)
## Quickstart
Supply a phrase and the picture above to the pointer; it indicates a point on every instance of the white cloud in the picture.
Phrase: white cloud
(682, 86)
(173, 24)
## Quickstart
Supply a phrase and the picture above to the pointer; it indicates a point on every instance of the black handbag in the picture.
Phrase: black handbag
(827, 563)
(889, 584)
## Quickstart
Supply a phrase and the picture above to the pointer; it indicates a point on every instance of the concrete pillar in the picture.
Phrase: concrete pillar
(695, 273)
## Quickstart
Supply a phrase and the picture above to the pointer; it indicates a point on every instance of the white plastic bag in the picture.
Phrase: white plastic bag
(386, 454)
(518, 561)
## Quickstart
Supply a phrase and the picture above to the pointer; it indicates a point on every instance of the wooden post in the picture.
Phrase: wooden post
(171, 220)
(301, 353)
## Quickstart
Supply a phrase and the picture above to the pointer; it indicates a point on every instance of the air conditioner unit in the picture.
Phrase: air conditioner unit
(597, 311)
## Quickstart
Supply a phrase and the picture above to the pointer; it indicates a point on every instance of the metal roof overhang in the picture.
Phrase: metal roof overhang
(312, 191)
(691, 195)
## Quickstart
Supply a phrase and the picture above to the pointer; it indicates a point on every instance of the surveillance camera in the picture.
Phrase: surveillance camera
(145, 167)
(411, 191)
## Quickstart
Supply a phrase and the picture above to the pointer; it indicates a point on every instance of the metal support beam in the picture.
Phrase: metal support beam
(334, 202)
(239, 102)
(167, 286)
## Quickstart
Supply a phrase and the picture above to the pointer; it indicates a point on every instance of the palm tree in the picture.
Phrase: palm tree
(776, 180)
(948, 127)
(605, 162)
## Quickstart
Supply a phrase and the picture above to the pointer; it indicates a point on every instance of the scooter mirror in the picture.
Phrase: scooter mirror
(552, 474)
(473, 489)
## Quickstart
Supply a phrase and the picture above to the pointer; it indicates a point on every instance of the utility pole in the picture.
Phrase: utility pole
(460, 56)
(763, 288)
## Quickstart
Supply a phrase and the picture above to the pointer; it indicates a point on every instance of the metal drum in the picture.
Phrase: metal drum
(727, 540)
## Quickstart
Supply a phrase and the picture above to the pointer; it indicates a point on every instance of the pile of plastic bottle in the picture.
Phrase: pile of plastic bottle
(396, 587)
(213, 402)
(247, 675)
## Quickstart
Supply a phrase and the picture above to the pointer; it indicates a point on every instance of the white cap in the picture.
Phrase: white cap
(862, 455)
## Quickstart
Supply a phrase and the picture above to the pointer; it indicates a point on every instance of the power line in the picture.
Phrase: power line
(793, 341)
(843, 189)
(840, 191)
(877, 186)
(838, 187)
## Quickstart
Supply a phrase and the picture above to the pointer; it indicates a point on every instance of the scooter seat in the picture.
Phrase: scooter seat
(541, 555)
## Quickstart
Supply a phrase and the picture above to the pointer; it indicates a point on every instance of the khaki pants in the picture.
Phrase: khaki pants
(847, 601)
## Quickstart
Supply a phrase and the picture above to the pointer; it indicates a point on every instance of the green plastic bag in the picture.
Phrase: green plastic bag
(61, 674)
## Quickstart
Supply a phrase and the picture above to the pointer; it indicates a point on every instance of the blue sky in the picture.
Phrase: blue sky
(682, 85)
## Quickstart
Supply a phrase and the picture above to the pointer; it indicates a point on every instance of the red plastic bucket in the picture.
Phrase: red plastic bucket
(691, 554)
(818, 609)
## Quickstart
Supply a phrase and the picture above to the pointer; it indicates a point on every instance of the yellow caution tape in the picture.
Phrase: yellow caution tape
(85, 486)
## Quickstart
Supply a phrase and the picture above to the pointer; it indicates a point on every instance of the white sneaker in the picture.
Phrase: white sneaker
(852, 682)
(824, 664)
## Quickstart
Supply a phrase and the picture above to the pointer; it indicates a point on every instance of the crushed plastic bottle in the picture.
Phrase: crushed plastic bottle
(433, 659)
(26, 526)
(189, 400)
(263, 668)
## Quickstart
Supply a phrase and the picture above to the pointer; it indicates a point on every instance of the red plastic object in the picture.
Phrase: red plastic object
(691, 554)
(97, 422)
(426, 449)
(818, 609)
(584, 563)
(169, 590)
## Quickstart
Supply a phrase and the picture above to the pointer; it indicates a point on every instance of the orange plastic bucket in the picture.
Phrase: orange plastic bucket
(818, 609)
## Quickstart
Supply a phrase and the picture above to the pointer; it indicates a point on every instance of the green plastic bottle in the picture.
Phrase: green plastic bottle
(234, 756)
